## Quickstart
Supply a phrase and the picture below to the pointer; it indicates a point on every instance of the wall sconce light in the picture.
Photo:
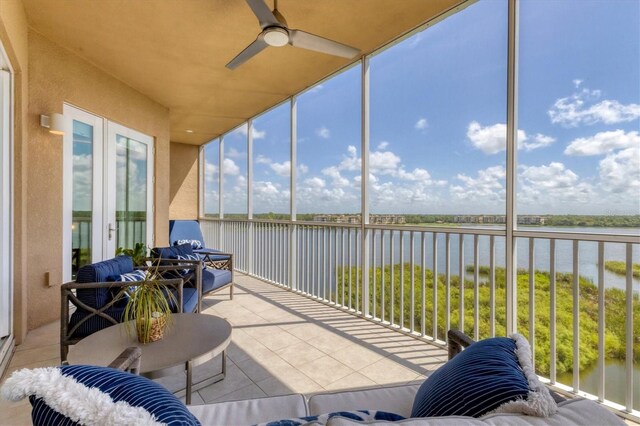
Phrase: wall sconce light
(54, 122)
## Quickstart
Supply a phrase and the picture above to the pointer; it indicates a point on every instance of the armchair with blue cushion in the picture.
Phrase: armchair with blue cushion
(96, 300)
(205, 278)
(189, 231)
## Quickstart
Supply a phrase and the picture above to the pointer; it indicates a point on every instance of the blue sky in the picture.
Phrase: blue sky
(438, 114)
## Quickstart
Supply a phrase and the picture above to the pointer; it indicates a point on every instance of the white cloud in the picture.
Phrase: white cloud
(577, 82)
(552, 188)
(257, 134)
(234, 153)
(337, 179)
(421, 124)
(603, 143)
(580, 108)
(282, 169)
(493, 139)
(261, 159)
(487, 187)
(383, 162)
(620, 172)
(316, 88)
(303, 168)
(315, 182)
(536, 141)
(229, 167)
(383, 145)
(323, 132)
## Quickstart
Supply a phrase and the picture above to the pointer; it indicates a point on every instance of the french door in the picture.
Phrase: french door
(108, 189)
(6, 210)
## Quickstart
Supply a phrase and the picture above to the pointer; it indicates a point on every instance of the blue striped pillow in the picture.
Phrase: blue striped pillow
(483, 377)
(187, 257)
(99, 396)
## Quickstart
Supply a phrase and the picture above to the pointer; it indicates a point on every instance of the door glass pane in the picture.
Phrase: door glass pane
(82, 195)
(131, 192)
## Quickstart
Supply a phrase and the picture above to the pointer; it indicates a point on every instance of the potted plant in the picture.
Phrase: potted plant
(148, 307)
(138, 253)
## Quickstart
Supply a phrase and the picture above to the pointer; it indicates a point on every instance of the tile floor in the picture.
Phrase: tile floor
(281, 343)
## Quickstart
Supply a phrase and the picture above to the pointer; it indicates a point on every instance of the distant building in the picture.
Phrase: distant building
(354, 219)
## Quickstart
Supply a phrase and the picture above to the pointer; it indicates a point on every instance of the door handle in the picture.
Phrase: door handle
(111, 231)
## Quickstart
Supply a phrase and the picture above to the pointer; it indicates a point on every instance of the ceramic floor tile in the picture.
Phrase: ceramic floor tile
(386, 371)
(247, 392)
(300, 353)
(352, 381)
(35, 354)
(325, 370)
(234, 380)
(293, 382)
(356, 356)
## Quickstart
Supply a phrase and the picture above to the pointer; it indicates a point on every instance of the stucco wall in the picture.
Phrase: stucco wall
(14, 37)
(55, 76)
(184, 181)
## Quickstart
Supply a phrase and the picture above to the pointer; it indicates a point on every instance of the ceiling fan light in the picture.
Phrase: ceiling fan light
(276, 37)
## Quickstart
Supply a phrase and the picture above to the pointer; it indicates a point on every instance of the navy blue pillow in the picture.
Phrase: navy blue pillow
(482, 377)
(135, 390)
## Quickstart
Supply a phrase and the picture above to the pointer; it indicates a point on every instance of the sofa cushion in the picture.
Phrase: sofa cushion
(250, 411)
(395, 399)
(492, 374)
(95, 395)
(575, 412)
(95, 322)
(195, 244)
(213, 279)
(100, 272)
(172, 252)
(323, 419)
(184, 230)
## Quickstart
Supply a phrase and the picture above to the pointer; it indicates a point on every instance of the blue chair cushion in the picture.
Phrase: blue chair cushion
(481, 378)
(98, 273)
(99, 396)
(213, 279)
(95, 323)
(189, 300)
(195, 244)
(184, 230)
(172, 252)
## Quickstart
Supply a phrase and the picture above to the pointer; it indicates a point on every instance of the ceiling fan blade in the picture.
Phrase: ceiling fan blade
(263, 13)
(309, 41)
(249, 52)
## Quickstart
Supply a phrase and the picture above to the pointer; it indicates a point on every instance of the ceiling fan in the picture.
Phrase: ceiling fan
(276, 33)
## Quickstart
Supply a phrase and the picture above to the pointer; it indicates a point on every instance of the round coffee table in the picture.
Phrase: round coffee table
(191, 340)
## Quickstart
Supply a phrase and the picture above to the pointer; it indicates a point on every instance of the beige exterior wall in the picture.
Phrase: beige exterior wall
(56, 76)
(14, 38)
(184, 181)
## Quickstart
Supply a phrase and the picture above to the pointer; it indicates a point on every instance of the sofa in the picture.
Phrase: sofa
(484, 369)
(395, 399)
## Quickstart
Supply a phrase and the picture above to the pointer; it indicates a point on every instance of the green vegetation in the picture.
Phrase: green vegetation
(617, 221)
(615, 300)
(620, 268)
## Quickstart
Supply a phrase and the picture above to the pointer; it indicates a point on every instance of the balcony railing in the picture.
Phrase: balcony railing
(577, 312)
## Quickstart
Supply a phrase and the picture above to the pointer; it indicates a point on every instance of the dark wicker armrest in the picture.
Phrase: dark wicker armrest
(128, 360)
(456, 341)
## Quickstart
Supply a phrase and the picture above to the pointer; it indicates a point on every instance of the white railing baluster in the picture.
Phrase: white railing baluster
(374, 233)
(392, 281)
(412, 281)
(476, 288)
(435, 287)
(423, 286)
(629, 329)
(576, 317)
(532, 300)
(401, 289)
(349, 264)
(447, 281)
(382, 277)
(601, 322)
(552, 308)
(461, 283)
(492, 286)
